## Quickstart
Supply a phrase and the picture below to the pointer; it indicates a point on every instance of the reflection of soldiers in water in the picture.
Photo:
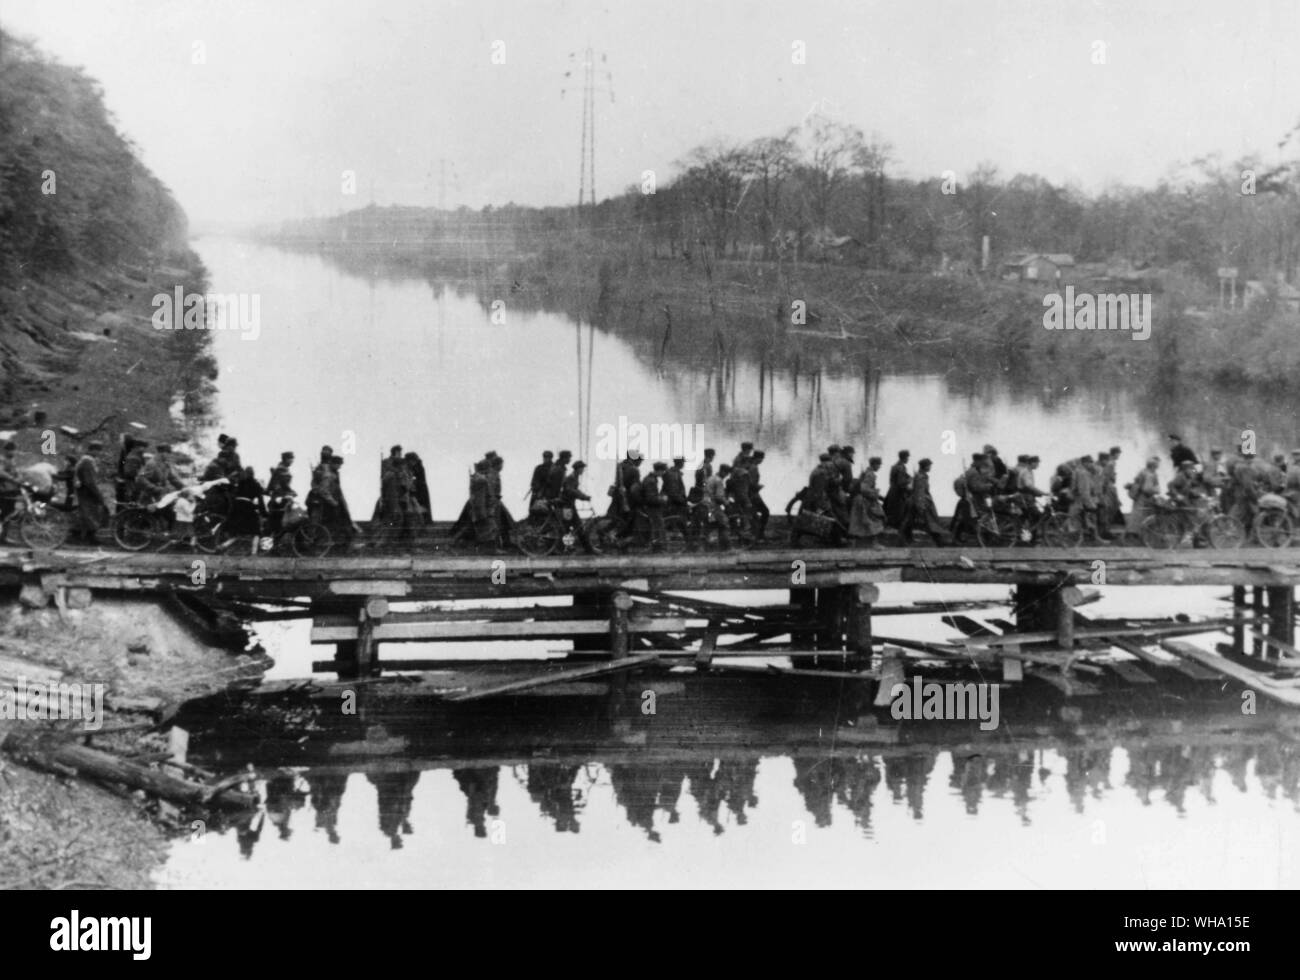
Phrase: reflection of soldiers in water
(248, 831)
(479, 785)
(969, 773)
(823, 780)
(641, 789)
(395, 790)
(728, 781)
(326, 798)
(1171, 768)
(1014, 772)
(550, 786)
(283, 797)
(906, 776)
(1087, 773)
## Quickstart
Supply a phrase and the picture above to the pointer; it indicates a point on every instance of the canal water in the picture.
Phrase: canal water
(364, 363)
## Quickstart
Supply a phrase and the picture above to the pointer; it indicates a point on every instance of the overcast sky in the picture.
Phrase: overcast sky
(292, 93)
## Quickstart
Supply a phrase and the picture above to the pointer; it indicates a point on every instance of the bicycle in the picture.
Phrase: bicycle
(1000, 526)
(548, 530)
(42, 524)
(140, 526)
(1272, 526)
(299, 535)
(1167, 528)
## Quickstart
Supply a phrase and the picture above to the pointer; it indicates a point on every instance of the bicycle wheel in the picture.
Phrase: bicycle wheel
(1225, 531)
(538, 539)
(997, 530)
(1273, 528)
(1061, 531)
(207, 532)
(134, 528)
(311, 540)
(44, 528)
(1162, 532)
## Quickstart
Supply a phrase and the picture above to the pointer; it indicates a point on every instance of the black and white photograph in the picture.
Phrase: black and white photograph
(598, 445)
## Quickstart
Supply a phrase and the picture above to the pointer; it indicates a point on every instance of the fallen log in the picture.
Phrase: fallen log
(95, 764)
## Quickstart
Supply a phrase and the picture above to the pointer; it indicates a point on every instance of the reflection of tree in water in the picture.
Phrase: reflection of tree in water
(479, 785)
(326, 798)
(395, 790)
(906, 776)
(550, 786)
(822, 781)
(723, 781)
(642, 789)
(283, 796)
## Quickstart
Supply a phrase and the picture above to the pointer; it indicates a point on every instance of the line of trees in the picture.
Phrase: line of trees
(824, 188)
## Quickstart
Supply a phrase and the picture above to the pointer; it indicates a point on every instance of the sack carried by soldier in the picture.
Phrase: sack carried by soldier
(1271, 501)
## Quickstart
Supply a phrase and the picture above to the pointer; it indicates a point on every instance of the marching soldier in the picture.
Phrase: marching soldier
(541, 473)
(653, 501)
(756, 502)
(570, 493)
(91, 506)
(674, 487)
(900, 490)
(279, 491)
(867, 515)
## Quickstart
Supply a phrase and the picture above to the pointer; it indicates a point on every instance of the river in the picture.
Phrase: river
(362, 364)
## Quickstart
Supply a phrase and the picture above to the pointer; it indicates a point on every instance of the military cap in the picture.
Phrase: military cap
(874, 460)
(679, 459)
(1085, 459)
(925, 463)
(724, 469)
(490, 454)
(326, 451)
(847, 450)
(548, 455)
(759, 454)
(396, 450)
(709, 453)
(978, 456)
(833, 448)
(746, 445)
(904, 453)
(661, 465)
(1022, 458)
(287, 455)
(579, 465)
(566, 454)
(824, 458)
(337, 459)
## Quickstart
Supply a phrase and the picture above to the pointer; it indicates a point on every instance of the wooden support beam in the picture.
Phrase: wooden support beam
(620, 604)
(1238, 637)
(1257, 608)
(891, 673)
(556, 677)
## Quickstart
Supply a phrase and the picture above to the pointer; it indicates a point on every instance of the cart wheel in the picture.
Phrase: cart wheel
(1225, 531)
(1273, 528)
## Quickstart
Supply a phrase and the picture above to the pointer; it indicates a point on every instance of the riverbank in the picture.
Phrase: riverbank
(840, 318)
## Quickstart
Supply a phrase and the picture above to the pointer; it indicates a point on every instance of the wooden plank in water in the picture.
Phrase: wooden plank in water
(1251, 678)
(1069, 686)
(891, 673)
(556, 677)
(1190, 661)
(425, 630)
(1130, 671)
(1287, 650)
(705, 654)
(1013, 669)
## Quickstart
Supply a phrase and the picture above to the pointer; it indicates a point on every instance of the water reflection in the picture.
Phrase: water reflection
(652, 796)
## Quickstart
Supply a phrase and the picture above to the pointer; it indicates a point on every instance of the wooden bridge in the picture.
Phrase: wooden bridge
(627, 609)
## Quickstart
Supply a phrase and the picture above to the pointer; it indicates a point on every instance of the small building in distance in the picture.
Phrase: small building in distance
(1038, 267)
